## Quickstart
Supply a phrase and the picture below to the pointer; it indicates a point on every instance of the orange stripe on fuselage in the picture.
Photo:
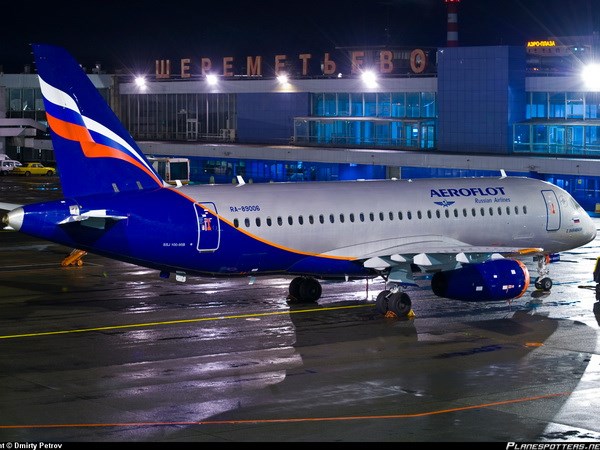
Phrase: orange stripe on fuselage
(257, 238)
(90, 148)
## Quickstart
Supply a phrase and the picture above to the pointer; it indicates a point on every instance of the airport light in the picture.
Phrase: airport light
(369, 78)
(211, 79)
(140, 82)
(282, 78)
(591, 76)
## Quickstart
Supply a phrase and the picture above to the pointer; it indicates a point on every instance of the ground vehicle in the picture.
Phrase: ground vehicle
(7, 165)
(34, 168)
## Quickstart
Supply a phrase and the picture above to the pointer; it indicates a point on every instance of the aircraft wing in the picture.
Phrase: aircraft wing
(432, 252)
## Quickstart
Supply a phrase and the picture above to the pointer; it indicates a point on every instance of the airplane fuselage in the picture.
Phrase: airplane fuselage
(323, 228)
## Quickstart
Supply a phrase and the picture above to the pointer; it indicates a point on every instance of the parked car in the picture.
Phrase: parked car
(34, 168)
(7, 166)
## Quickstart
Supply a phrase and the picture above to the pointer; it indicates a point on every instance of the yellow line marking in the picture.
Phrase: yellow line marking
(180, 321)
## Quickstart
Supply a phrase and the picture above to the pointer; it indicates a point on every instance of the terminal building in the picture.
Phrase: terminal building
(352, 113)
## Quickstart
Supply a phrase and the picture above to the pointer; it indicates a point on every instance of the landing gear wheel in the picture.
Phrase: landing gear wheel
(381, 303)
(400, 304)
(546, 283)
(543, 284)
(310, 290)
(304, 290)
(295, 289)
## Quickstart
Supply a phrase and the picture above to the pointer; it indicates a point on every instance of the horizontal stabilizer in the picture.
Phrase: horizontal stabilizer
(96, 214)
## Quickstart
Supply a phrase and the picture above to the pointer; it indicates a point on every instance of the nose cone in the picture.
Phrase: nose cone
(13, 220)
(589, 228)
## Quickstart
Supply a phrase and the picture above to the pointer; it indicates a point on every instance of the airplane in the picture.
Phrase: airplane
(469, 236)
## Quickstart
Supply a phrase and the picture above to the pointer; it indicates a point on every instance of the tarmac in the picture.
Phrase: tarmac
(109, 352)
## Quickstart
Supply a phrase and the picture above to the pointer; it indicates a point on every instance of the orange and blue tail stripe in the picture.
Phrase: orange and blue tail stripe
(94, 153)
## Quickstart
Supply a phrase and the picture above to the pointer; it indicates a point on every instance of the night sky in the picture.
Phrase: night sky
(132, 34)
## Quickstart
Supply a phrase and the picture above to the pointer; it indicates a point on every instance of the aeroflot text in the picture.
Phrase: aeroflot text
(467, 192)
(28, 445)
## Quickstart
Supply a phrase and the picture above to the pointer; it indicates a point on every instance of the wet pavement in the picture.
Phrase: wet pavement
(108, 352)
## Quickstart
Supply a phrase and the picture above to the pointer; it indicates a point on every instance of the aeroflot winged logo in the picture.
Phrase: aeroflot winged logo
(96, 140)
(444, 203)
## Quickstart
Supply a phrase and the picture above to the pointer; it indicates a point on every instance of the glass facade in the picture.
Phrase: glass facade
(403, 120)
(179, 117)
(213, 170)
(25, 103)
(560, 123)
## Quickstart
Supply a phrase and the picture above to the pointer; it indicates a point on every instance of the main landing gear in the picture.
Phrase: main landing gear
(394, 303)
(543, 282)
(390, 302)
(304, 290)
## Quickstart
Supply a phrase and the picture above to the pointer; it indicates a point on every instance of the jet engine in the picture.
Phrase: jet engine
(497, 279)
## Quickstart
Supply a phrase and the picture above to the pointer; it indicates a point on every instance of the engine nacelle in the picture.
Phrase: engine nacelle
(497, 279)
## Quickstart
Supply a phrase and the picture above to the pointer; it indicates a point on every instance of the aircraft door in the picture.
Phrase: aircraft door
(209, 229)
(552, 210)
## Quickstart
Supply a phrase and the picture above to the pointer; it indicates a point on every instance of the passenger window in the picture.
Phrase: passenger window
(429, 214)
(351, 217)
(491, 211)
(258, 221)
(499, 210)
(321, 218)
(311, 219)
(419, 215)
(236, 223)
(508, 210)
(362, 217)
(247, 222)
(381, 216)
(447, 213)
(482, 211)
(408, 215)
(473, 212)
(372, 217)
(290, 220)
(269, 221)
(516, 210)
(279, 221)
(300, 220)
(400, 215)
(331, 218)
(341, 218)
(391, 215)
(524, 209)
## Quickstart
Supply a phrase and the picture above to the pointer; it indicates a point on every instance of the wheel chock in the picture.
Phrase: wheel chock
(74, 258)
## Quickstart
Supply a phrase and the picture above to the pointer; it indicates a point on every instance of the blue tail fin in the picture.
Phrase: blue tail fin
(94, 152)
